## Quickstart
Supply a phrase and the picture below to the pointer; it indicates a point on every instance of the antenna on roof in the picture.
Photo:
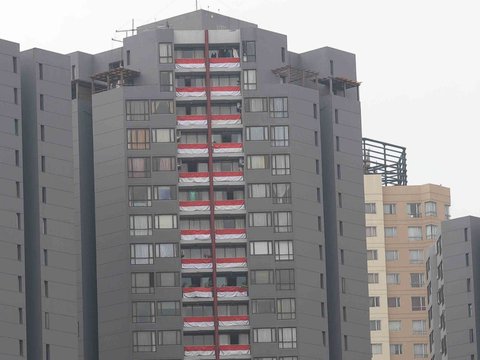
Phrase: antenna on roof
(127, 30)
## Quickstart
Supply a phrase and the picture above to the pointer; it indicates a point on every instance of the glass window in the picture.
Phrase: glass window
(395, 325)
(264, 335)
(285, 279)
(144, 341)
(138, 139)
(281, 164)
(139, 196)
(393, 278)
(419, 327)
(169, 250)
(257, 162)
(164, 163)
(261, 248)
(372, 254)
(430, 208)
(140, 225)
(198, 309)
(376, 349)
(373, 278)
(375, 325)
(261, 277)
(143, 283)
(168, 308)
(283, 250)
(168, 279)
(143, 312)
(420, 350)
(370, 208)
(393, 302)
(136, 110)
(282, 221)
(163, 135)
(164, 192)
(417, 280)
(257, 219)
(390, 231)
(166, 221)
(263, 306)
(256, 105)
(139, 167)
(279, 107)
(279, 136)
(391, 255)
(161, 106)
(141, 254)
(374, 301)
(413, 209)
(389, 209)
(396, 349)
(256, 133)
(165, 53)
(166, 81)
(416, 256)
(285, 309)
(248, 51)
(415, 233)
(287, 338)
(169, 337)
(258, 190)
(282, 193)
(418, 303)
(250, 79)
(431, 232)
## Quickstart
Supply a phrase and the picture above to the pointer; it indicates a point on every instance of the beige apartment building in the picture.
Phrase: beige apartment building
(402, 222)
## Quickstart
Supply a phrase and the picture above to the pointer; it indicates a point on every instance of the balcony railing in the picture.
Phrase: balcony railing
(227, 148)
(209, 350)
(190, 64)
(198, 264)
(228, 263)
(202, 322)
(197, 292)
(200, 91)
(229, 205)
(224, 62)
(204, 205)
(192, 149)
(220, 234)
(203, 177)
(225, 292)
(200, 121)
(195, 235)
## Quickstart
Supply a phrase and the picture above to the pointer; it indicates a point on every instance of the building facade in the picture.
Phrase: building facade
(452, 273)
(402, 222)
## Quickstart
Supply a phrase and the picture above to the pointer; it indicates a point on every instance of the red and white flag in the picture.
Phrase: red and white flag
(189, 235)
(218, 63)
(192, 149)
(232, 291)
(197, 292)
(225, 91)
(192, 120)
(230, 234)
(225, 263)
(196, 263)
(193, 177)
(194, 205)
(230, 350)
(226, 148)
(239, 320)
(193, 91)
(197, 321)
(189, 64)
(194, 351)
(229, 205)
(228, 176)
(226, 119)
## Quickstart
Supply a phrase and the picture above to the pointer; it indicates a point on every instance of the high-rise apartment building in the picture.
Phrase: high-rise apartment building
(402, 222)
(212, 182)
(453, 292)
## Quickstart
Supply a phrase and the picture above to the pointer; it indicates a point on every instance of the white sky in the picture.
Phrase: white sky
(418, 61)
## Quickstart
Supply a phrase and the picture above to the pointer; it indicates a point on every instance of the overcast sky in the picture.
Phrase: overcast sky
(418, 61)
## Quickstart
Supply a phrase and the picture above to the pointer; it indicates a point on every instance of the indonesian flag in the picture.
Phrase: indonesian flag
(227, 176)
(228, 350)
(193, 91)
(197, 321)
(225, 263)
(224, 62)
(192, 120)
(232, 291)
(194, 205)
(224, 91)
(230, 234)
(188, 235)
(189, 64)
(192, 149)
(225, 119)
(196, 263)
(197, 292)
(240, 320)
(194, 351)
(193, 177)
(229, 205)
(226, 148)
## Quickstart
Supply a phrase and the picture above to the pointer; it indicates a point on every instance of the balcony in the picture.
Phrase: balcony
(233, 321)
(197, 293)
(202, 206)
(227, 351)
(208, 351)
(200, 92)
(230, 235)
(207, 322)
(196, 351)
(227, 206)
(192, 150)
(202, 178)
(200, 121)
(223, 293)
(224, 63)
(231, 264)
(197, 264)
(195, 235)
(225, 91)
(221, 235)
(222, 149)
(190, 64)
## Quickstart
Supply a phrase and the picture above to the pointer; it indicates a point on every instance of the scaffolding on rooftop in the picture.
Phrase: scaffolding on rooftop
(113, 78)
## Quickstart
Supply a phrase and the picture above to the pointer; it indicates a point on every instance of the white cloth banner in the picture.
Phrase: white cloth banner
(228, 178)
(190, 237)
(227, 294)
(196, 265)
(187, 123)
(192, 151)
(225, 64)
(234, 352)
(197, 294)
(229, 207)
(235, 149)
(230, 236)
(199, 353)
(190, 93)
(197, 324)
(180, 66)
(224, 93)
(233, 323)
(231, 265)
(195, 208)
(201, 179)
(216, 123)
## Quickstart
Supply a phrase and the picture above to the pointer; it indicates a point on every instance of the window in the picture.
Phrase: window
(261, 277)
(45, 257)
(165, 53)
(138, 139)
(259, 219)
(138, 167)
(281, 193)
(396, 349)
(144, 341)
(430, 208)
(16, 125)
(393, 302)
(168, 308)
(47, 351)
(469, 285)
(164, 192)
(143, 283)
(141, 254)
(42, 132)
(248, 51)
(339, 172)
(139, 196)
(467, 259)
(393, 278)
(255, 162)
(249, 79)
(164, 163)
(285, 309)
(376, 349)
(19, 221)
(283, 250)
(432, 232)
(20, 315)
(417, 280)
(140, 225)
(447, 211)
(169, 250)
(169, 337)
(372, 254)
(389, 209)
(20, 284)
(345, 342)
(374, 301)
(373, 278)
(161, 106)
(40, 71)
(17, 158)
(416, 256)
(166, 221)
(391, 255)
(419, 327)
(128, 57)
(340, 228)
(420, 351)
(264, 335)
(469, 310)
(44, 194)
(414, 233)
(261, 248)
(315, 116)
(283, 54)
(395, 325)
(285, 279)
(370, 208)
(279, 136)
(15, 98)
(337, 143)
(279, 107)
(166, 81)
(143, 312)
(43, 226)
(317, 167)
(15, 64)
(371, 231)
(418, 303)
(258, 190)
(282, 221)
(256, 105)
(375, 325)
(413, 210)
(19, 252)
(43, 164)
(256, 133)
(263, 306)
(287, 338)
(46, 293)
(136, 110)
(319, 223)
(168, 279)
(280, 164)
(390, 231)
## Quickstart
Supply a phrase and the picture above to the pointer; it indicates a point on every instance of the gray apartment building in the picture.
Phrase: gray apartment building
(453, 272)
(217, 200)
